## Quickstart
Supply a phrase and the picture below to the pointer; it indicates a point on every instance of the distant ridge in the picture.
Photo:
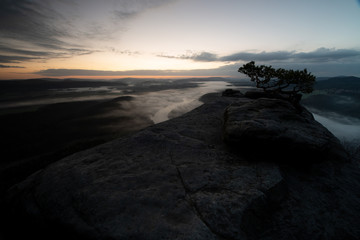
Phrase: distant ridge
(343, 82)
(44, 84)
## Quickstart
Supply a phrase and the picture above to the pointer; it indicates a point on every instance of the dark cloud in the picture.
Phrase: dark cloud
(30, 30)
(20, 55)
(263, 56)
(199, 57)
(318, 55)
(48, 22)
(16, 59)
(6, 66)
(322, 69)
(30, 21)
(205, 56)
(130, 8)
(321, 62)
(56, 51)
(326, 54)
(57, 28)
(19, 51)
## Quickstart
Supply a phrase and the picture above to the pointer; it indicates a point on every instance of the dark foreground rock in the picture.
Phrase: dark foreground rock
(275, 127)
(179, 180)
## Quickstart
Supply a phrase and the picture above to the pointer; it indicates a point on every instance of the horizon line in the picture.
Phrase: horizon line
(118, 77)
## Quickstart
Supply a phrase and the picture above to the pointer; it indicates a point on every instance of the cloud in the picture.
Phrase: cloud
(326, 54)
(124, 52)
(19, 51)
(128, 8)
(50, 21)
(30, 21)
(199, 57)
(321, 62)
(20, 55)
(322, 69)
(16, 59)
(263, 56)
(56, 28)
(34, 30)
(318, 55)
(6, 66)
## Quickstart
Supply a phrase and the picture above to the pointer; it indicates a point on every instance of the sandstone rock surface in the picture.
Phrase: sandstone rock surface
(179, 180)
(275, 127)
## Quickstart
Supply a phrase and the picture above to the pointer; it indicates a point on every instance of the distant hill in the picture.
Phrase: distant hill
(339, 95)
(347, 83)
(45, 84)
(322, 78)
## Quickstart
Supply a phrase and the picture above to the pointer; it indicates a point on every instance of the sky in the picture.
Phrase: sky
(176, 38)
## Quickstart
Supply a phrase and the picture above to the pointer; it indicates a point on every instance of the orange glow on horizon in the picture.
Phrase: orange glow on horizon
(17, 76)
(4, 75)
(140, 76)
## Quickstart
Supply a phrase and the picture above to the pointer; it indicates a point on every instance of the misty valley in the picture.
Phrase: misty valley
(44, 120)
(336, 104)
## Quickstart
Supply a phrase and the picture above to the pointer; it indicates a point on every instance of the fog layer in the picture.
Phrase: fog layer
(163, 105)
(344, 128)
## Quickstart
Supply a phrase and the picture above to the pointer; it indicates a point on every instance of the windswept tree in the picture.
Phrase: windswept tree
(287, 83)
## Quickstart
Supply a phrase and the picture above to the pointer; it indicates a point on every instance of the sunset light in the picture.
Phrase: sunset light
(180, 119)
(177, 35)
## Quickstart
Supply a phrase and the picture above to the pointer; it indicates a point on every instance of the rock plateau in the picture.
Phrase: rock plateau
(234, 168)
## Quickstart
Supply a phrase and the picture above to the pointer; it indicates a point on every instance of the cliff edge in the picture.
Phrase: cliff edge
(234, 168)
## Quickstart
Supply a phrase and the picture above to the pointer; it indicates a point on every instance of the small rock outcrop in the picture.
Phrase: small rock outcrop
(274, 127)
(180, 180)
(232, 93)
(255, 94)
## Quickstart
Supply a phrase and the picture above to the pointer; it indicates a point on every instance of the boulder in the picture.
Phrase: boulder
(232, 93)
(276, 129)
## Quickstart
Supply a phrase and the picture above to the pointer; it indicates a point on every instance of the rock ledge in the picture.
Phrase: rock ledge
(180, 180)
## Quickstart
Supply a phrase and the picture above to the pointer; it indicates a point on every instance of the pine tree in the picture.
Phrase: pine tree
(288, 83)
